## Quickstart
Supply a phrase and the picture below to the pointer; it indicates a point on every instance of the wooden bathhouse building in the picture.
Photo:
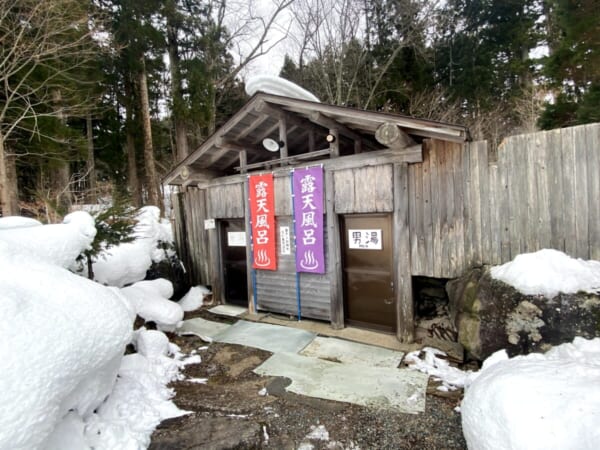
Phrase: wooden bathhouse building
(327, 212)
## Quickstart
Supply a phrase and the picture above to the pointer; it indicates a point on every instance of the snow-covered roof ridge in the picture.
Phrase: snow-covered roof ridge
(549, 272)
(270, 84)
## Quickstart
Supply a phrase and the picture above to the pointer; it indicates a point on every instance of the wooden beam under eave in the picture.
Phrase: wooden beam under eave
(255, 123)
(283, 140)
(328, 122)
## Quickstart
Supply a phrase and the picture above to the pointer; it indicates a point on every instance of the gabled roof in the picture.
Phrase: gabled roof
(305, 126)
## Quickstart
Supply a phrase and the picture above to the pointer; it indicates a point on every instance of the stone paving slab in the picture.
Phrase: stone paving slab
(402, 390)
(340, 350)
(273, 338)
(228, 310)
(204, 329)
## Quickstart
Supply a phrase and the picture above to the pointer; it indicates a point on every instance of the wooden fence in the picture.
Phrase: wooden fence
(542, 192)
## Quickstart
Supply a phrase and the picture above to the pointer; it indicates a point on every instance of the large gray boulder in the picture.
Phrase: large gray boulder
(491, 315)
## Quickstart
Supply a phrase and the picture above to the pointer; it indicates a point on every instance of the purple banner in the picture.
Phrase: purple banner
(308, 217)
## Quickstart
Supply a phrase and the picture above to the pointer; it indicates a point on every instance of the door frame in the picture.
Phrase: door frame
(388, 217)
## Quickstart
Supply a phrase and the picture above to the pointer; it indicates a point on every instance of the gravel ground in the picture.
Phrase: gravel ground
(230, 412)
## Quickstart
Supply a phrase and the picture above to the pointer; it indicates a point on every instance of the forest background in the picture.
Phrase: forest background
(102, 97)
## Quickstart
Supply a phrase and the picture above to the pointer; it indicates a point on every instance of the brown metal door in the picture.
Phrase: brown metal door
(233, 249)
(368, 275)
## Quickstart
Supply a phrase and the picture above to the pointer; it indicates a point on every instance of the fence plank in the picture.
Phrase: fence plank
(593, 177)
(554, 173)
(569, 205)
(581, 192)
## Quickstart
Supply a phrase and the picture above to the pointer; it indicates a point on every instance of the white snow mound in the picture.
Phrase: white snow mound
(150, 299)
(62, 338)
(58, 244)
(270, 84)
(127, 263)
(18, 222)
(194, 298)
(539, 401)
(549, 272)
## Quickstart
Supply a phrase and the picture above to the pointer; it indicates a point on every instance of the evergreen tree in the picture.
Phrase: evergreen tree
(573, 66)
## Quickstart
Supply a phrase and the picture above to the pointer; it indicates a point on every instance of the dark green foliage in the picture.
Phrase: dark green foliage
(114, 226)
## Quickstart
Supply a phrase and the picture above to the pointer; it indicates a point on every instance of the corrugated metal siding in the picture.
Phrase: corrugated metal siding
(276, 291)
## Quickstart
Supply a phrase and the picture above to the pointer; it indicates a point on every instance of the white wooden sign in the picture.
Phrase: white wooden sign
(285, 243)
(236, 238)
(209, 224)
(364, 239)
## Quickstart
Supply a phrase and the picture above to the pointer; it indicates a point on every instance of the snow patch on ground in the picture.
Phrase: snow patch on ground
(549, 272)
(440, 369)
(18, 222)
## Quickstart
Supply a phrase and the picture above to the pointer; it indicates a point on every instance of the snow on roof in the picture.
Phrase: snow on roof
(277, 86)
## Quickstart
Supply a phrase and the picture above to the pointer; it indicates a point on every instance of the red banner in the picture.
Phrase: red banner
(262, 213)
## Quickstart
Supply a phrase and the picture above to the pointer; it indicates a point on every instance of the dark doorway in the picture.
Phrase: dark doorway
(367, 267)
(233, 254)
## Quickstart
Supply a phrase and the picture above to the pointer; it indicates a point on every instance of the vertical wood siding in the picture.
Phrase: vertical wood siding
(542, 192)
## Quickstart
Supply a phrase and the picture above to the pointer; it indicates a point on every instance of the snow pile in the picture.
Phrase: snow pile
(538, 401)
(128, 262)
(150, 299)
(140, 399)
(440, 369)
(549, 272)
(65, 383)
(18, 222)
(194, 298)
(58, 244)
(277, 86)
(62, 337)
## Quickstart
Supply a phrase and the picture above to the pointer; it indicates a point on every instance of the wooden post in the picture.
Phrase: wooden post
(335, 262)
(215, 258)
(405, 317)
(334, 146)
(249, 269)
(283, 150)
(311, 140)
(243, 161)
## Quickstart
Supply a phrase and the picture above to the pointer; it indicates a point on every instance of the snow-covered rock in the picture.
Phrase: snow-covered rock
(491, 310)
(270, 84)
(539, 401)
(58, 244)
(549, 272)
(62, 337)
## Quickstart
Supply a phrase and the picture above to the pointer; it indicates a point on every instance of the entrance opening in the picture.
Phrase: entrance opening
(233, 257)
(432, 319)
(367, 255)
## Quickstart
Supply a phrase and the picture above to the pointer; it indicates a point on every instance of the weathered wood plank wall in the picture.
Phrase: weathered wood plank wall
(190, 238)
(542, 192)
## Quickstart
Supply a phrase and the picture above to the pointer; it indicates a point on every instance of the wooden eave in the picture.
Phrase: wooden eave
(303, 125)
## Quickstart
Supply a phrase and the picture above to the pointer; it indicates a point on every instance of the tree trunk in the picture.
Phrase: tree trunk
(91, 166)
(152, 183)
(9, 204)
(178, 115)
(132, 172)
(61, 177)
